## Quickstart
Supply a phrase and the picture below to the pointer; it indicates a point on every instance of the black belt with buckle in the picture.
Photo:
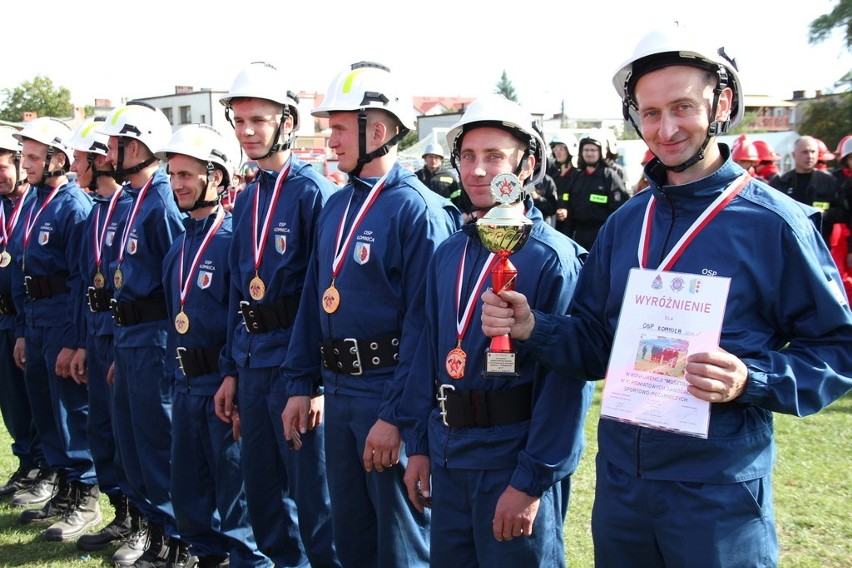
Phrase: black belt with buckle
(139, 311)
(260, 318)
(99, 299)
(7, 306)
(41, 287)
(468, 408)
(199, 361)
(354, 356)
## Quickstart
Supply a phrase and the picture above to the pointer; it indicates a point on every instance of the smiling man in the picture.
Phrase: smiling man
(664, 499)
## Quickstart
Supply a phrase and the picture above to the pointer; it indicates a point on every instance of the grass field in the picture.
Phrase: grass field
(812, 499)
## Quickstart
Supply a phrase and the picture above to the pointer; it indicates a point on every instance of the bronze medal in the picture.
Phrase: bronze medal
(5, 259)
(118, 278)
(182, 322)
(330, 299)
(455, 363)
(99, 280)
(257, 289)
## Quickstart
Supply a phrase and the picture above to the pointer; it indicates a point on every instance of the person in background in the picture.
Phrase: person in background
(811, 186)
(744, 153)
(766, 168)
(663, 499)
(561, 169)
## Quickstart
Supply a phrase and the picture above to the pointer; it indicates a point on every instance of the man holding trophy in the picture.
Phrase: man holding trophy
(502, 440)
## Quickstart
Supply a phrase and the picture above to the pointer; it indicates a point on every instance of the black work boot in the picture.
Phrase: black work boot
(53, 510)
(23, 478)
(213, 562)
(116, 531)
(40, 491)
(137, 540)
(83, 513)
(156, 553)
(179, 556)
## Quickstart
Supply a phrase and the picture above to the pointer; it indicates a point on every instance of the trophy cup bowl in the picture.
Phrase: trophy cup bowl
(503, 230)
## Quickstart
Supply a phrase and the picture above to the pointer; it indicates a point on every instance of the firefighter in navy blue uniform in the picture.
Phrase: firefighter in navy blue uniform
(144, 368)
(375, 238)
(275, 219)
(207, 482)
(495, 476)
(92, 315)
(14, 403)
(662, 498)
(47, 249)
(596, 190)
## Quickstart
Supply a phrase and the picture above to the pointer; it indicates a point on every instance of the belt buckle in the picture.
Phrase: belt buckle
(354, 350)
(442, 401)
(180, 351)
(27, 280)
(244, 308)
(116, 316)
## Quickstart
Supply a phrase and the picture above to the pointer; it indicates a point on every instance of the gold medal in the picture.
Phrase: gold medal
(257, 289)
(330, 299)
(99, 280)
(182, 322)
(455, 362)
(5, 259)
(118, 278)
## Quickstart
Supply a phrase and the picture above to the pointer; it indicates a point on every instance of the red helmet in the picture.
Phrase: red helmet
(765, 152)
(824, 155)
(743, 150)
(647, 157)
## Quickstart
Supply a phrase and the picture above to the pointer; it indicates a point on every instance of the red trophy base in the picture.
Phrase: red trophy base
(500, 359)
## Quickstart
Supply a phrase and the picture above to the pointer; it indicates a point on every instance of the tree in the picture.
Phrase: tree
(504, 87)
(840, 18)
(829, 119)
(39, 96)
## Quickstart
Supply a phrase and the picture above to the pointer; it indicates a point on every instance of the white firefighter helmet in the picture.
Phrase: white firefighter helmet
(262, 80)
(203, 143)
(139, 121)
(87, 138)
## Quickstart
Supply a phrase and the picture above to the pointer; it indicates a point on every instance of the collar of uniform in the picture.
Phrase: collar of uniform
(701, 190)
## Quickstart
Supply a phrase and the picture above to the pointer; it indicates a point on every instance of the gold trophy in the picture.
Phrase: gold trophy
(503, 231)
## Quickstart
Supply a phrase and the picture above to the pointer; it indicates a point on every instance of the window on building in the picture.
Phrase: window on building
(185, 114)
(203, 119)
(168, 112)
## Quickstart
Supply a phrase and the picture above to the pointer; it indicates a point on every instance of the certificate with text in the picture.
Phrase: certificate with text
(665, 317)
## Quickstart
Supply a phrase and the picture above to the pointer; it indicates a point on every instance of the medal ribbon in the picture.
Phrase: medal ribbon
(185, 285)
(8, 228)
(259, 240)
(697, 226)
(341, 251)
(463, 322)
(28, 227)
(99, 235)
(133, 212)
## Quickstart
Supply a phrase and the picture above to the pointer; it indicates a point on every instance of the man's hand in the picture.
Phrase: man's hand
(416, 480)
(382, 447)
(561, 214)
(78, 367)
(63, 362)
(223, 400)
(717, 376)
(111, 374)
(19, 353)
(507, 313)
(514, 515)
(301, 414)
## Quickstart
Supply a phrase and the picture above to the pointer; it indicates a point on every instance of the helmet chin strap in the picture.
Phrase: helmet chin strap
(19, 182)
(365, 157)
(201, 203)
(46, 173)
(121, 174)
